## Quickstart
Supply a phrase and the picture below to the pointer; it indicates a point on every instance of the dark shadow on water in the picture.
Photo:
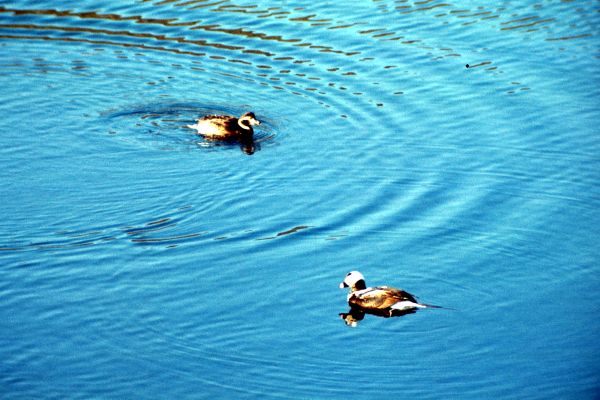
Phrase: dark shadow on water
(356, 314)
(248, 146)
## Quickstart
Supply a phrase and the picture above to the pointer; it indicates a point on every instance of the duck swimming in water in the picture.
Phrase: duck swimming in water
(225, 127)
(379, 300)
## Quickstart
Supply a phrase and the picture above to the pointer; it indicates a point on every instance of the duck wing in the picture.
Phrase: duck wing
(218, 119)
(223, 121)
(380, 297)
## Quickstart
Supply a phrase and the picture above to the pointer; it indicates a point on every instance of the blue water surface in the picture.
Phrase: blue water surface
(451, 149)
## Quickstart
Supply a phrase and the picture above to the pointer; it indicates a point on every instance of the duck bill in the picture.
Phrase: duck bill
(343, 285)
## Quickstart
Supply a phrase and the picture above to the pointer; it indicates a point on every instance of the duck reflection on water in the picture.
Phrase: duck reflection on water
(357, 314)
(249, 146)
(383, 301)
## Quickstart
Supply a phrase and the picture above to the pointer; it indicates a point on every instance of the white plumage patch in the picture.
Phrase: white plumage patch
(368, 292)
(205, 128)
(406, 305)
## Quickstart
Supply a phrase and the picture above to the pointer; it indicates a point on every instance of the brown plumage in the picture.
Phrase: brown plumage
(381, 297)
(225, 127)
(381, 300)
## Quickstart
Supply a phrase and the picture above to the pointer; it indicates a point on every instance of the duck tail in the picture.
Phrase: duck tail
(434, 306)
(406, 305)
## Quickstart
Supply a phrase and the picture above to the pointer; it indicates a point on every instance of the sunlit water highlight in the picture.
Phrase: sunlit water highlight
(139, 260)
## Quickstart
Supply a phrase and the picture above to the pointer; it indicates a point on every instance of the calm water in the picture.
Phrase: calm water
(140, 261)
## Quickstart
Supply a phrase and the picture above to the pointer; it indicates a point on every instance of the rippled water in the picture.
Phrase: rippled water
(139, 260)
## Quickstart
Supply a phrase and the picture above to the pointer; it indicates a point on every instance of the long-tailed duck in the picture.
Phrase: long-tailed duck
(380, 300)
(225, 127)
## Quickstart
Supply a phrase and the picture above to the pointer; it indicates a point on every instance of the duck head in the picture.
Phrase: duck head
(354, 280)
(247, 120)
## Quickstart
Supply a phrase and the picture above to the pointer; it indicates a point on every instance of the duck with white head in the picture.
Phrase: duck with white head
(380, 300)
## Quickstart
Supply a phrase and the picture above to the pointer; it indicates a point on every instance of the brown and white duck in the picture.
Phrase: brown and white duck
(225, 127)
(380, 300)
